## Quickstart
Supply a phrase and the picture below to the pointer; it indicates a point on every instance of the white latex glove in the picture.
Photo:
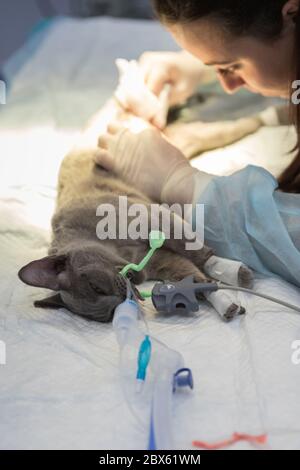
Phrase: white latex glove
(134, 95)
(183, 71)
(151, 164)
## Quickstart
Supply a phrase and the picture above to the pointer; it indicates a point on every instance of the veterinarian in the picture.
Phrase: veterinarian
(249, 216)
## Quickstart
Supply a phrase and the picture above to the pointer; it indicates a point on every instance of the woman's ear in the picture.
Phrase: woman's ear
(290, 9)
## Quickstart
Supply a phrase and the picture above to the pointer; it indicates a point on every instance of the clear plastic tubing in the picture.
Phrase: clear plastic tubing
(165, 362)
(125, 320)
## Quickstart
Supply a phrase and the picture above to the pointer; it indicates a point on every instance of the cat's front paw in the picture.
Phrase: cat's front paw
(229, 271)
(226, 303)
(232, 312)
(245, 277)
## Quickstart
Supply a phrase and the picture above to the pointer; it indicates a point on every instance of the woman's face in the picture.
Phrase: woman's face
(259, 66)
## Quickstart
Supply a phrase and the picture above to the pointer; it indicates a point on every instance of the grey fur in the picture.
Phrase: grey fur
(80, 268)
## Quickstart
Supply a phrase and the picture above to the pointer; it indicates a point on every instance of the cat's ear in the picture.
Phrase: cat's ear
(55, 301)
(49, 272)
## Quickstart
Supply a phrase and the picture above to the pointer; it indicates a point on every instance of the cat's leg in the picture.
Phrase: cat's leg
(180, 237)
(226, 304)
(167, 265)
(197, 137)
(229, 271)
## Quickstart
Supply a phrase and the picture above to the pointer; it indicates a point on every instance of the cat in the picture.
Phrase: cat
(82, 270)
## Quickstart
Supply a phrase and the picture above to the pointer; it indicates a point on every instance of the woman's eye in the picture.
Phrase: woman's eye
(222, 71)
(229, 70)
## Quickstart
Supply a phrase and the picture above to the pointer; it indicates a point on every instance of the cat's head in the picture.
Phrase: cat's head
(84, 281)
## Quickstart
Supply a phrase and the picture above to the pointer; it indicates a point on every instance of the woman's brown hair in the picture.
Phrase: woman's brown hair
(289, 180)
(260, 18)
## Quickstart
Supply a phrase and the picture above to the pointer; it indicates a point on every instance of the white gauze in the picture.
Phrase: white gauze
(222, 302)
(225, 270)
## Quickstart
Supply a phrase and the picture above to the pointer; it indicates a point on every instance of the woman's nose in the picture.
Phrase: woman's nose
(231, 83)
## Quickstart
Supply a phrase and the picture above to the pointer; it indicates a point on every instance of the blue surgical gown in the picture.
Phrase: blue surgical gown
(248, 219)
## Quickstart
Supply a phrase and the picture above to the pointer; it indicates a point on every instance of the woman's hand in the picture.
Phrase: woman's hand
(147, 161)
(180, 69)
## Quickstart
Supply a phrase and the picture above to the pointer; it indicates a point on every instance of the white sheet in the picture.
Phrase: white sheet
(60, 387)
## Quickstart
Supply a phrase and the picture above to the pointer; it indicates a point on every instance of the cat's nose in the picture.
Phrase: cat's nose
(130, 275)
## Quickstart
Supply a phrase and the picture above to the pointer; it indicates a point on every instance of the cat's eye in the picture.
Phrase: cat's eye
(96, 288)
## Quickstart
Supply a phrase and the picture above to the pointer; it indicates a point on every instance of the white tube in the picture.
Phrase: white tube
(162, 401)
(125, 320)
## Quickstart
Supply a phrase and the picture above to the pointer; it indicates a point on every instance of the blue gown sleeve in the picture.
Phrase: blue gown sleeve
(248, 219)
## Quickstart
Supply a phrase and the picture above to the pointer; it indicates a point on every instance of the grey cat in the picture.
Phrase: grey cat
(81, 269)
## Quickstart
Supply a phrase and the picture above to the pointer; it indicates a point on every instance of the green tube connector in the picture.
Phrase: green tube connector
(156, 241)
